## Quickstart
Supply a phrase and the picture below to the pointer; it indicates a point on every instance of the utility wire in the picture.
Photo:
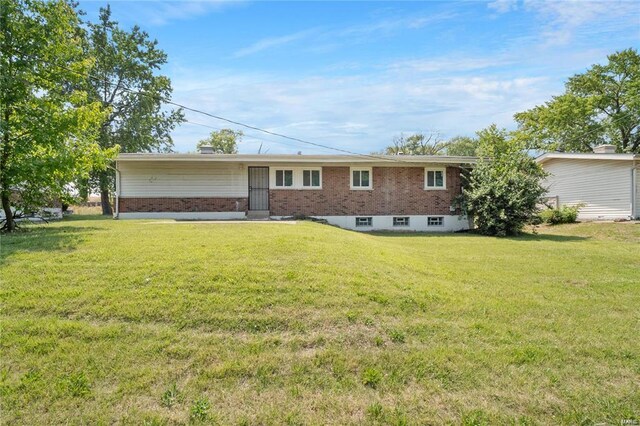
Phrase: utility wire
(248, 126)
(217, 117)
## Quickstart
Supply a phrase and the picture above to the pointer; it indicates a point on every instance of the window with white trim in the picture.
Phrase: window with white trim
(311, 178)
(435, 221)
(284, 178)
(361, 178)
(401, 221)
(435, 178)
(364, 221)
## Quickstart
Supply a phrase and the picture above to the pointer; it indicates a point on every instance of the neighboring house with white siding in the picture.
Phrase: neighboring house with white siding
(606, 184)
(416, 193)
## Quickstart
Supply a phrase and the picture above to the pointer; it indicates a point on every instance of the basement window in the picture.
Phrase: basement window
(401, 221)
(435, 221)
(364, 221)
(284, 178)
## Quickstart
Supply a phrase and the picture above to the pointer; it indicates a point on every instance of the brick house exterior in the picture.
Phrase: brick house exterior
(212, 186)
(396, 191)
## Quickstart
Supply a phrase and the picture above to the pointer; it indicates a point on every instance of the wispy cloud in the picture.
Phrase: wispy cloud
(326, 39)
(273, 42)
(503, 6)
(361, 112)
(158, 13)
(451, 64)
(565, 18)
(560, 21)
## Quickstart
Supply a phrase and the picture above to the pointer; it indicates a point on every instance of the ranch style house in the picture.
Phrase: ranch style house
(408, 193)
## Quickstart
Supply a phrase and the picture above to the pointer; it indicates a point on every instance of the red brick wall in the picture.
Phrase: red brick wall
(396, 191)
(194, 204)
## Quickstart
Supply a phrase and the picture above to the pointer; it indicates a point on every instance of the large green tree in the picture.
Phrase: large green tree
(505, 187)
(47, 121)
(462, 146)
(124, 80)
(223, 141)
(416, 144)
(599, 106)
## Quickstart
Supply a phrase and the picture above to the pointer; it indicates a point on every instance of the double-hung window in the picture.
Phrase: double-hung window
(311, 178)
(361, 178)
(435, 178)
(284, 178)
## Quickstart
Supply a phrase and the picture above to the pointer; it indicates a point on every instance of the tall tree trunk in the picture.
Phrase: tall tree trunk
(10, 224)
(104, 194)
(5, 190)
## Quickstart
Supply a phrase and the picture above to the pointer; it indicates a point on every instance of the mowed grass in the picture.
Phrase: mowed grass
(136, 322)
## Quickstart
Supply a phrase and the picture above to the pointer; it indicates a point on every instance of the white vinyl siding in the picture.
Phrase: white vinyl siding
(604, 187)
(182, 179)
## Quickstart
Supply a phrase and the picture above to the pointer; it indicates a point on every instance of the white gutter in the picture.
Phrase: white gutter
(282, 158)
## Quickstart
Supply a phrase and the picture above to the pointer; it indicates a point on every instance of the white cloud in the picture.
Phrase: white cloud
(326, 39)
(560, 21)
(159, 13)
(272, 42)
(503, 6)
(360, 113)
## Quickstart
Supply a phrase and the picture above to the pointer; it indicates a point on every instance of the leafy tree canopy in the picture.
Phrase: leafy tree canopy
(463, 146)
(125, 81)
(505, 186)
(224, 141)
(48, 121)
(416, 144)
(599, 106)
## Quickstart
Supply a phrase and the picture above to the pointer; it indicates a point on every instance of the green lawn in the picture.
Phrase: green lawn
(142, 322)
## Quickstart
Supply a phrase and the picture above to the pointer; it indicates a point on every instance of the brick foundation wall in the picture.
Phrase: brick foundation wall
(396, 191)
(194, 204)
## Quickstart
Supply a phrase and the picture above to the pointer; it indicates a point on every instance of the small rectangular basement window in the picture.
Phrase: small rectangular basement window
(401, 221)
(435, 221)
(284, 177)
(364, 221)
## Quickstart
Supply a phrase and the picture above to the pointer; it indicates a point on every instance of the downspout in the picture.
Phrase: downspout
(635, 212)
(116, 213)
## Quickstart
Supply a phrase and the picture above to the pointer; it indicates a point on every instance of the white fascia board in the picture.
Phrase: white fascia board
(250, 159)
(585, 156)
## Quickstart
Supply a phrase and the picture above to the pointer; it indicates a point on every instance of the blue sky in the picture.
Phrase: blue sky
(353, 75)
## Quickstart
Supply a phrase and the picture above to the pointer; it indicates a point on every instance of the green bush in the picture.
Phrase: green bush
(565, 214)
(504, 188)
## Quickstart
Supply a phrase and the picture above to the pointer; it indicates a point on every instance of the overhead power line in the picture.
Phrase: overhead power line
(217, 117)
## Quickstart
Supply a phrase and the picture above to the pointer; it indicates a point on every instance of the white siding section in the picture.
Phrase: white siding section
(182, 179)
(603, 186)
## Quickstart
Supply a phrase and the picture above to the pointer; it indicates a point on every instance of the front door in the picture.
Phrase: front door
(258, 188)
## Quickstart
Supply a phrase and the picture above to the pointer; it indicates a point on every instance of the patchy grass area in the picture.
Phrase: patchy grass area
(130, 321)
